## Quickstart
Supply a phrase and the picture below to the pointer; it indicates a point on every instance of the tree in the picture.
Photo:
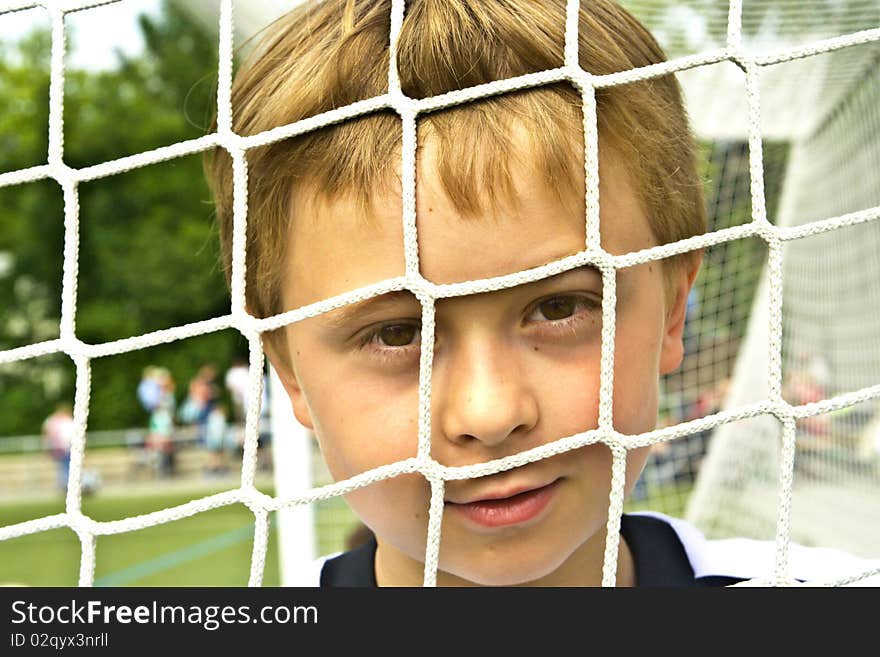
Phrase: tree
(148, 252)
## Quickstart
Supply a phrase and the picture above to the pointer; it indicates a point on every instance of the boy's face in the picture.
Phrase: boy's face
(512, 370)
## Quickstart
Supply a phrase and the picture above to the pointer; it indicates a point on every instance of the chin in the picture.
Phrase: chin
(495, 571)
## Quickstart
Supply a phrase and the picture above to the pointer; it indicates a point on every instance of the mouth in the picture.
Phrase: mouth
(504, 509)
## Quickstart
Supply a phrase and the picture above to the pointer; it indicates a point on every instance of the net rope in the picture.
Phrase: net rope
(831, 286)
(261, 505)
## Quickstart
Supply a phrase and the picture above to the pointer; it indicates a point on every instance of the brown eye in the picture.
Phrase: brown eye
(398, 335)
(558, 308)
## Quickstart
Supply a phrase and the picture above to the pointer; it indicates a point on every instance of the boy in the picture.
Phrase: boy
(500, 189)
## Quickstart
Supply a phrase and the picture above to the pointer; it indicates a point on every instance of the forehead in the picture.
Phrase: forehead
(333, 248)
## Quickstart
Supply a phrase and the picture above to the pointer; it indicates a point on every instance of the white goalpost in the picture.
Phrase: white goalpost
(771, 429)
(293, 452)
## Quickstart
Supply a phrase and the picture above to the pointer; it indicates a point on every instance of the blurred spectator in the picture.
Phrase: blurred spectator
(236, 381)
(91, 482)
(709, 400)
(216, 439)
(264, 429)
(805, 383)
(160, 436)
(201, 398)
(149, 390)
(58, 434)
(678, 461)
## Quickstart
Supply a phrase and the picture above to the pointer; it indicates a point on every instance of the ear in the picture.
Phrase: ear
(281, 361)
(672, 347)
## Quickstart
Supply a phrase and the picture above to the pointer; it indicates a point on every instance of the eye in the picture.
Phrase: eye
(564, 310)
(556, 308)
(397, 335)
(394, 345)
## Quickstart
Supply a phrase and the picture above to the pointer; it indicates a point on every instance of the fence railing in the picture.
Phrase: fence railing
(132, 437)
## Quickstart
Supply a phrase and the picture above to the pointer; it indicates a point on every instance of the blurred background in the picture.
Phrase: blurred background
(165, 423)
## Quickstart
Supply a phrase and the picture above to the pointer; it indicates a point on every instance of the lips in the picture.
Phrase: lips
(506, 509)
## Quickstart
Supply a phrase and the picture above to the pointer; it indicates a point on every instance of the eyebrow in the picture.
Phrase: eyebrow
(342, 317)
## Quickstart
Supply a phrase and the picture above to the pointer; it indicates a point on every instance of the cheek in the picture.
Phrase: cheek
(568, 383)
(635, 400)
(567, 388)
(636, 373)
(360, 424)
(411, 494)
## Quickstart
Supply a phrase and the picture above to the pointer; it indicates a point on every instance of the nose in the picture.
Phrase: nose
(482, 393)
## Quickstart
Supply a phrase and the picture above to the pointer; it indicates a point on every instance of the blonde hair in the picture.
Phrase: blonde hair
(327, 54)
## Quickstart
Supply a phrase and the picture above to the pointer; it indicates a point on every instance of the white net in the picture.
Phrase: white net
(818, 125)
(829, 346)
(806, 79)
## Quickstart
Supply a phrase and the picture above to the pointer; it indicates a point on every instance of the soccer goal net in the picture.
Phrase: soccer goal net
(809, 312)
(771, 427)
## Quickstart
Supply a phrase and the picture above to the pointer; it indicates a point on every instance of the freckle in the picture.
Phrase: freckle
(535, 348)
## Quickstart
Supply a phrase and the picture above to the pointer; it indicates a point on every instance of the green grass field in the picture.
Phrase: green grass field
(209, 549)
